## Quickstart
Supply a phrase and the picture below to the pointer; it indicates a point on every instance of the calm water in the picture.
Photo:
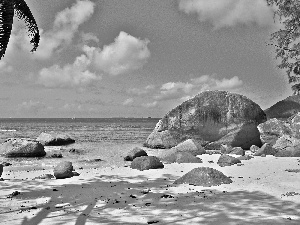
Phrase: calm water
(108, 139)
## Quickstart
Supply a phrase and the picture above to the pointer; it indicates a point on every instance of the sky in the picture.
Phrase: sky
(138, 58)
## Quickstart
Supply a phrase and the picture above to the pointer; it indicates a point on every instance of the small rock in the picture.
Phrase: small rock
(146, 163)
(134, 153)
(63, 170)
(226, 160)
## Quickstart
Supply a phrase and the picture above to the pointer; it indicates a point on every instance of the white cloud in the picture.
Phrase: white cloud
(141, 91)
(128, 101)
(226, 13)
(150, 105)
(32, 106)
(183, 91)
(126, 54)
(87, 37)
(65, 26)
(5, 68)
(70, 75)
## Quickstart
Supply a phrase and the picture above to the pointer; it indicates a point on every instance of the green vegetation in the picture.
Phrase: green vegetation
(286, 40)
(7, 10)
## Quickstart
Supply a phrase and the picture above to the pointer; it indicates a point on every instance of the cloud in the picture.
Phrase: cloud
(141, 91)
(183, 91)
(227, 13)
(65, 26)
(70, 75)
(88, 37)
(150, 105)
(5, 68)
(125, 54)
(32, 106)
(128, 101)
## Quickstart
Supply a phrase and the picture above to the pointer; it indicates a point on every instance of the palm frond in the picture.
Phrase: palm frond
(23, 13)
(6, 21)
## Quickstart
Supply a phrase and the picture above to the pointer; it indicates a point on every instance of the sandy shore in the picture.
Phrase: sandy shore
(262, 192)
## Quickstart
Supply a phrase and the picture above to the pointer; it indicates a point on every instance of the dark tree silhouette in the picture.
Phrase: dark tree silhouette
(9, 8)
(286, 40)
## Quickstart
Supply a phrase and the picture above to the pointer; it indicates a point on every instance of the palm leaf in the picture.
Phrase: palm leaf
(6, 21)
(23, 13)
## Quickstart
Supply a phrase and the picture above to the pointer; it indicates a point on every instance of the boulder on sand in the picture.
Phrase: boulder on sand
(63, 170)
(287, 146)
(204, 176)
(134, 153)
(214, 117)
(227, 160)
(54, 139)
(181, 157)
(266, 149)
(146, 163)
(19, 147)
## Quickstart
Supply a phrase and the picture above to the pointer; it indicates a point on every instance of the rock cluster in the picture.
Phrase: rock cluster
(19, 147)
(212, 118)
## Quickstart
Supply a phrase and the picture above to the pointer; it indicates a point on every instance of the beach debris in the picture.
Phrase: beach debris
(45, 176)
(15, 193)
(215, 112)
(55, 139)
(227, 160)
(63, 170)
(21, 147)
(166, 196)
(204, 176)
(152, 221)
(146, 163)
(292, 193)
(293, 170)
(6, 164)
(134, 153)
(1, 169)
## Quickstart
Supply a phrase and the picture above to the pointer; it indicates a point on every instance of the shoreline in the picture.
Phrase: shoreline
(262, 192)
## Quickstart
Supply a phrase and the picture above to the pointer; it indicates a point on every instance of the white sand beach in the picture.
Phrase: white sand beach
(262, 192)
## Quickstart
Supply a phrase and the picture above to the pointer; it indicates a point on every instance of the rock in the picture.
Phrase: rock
(181, 157)
(225, 148)
(19, 147)
(136, 152)
(146, 163)
(236, 151)
(272, 129)
(287, 146)
(162, 139)
(266, 149)
(54, 139)
(245, 157)
(204, 176)
(45, 176)
(254, 148)
(226, 160)
(186, 157)
(295, 125)
(1, 169)
(191, 146)
(63, 170)
(214, 117)
(54, 155)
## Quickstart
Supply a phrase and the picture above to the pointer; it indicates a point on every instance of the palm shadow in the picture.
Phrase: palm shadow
(124, 200)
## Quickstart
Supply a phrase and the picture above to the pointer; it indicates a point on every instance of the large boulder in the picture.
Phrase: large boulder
(146, 163)
(227, 160)
(134, 153)
(204, 176)
(214, 117)
(54, 139)
(19, 147)
(287, 146)
(272, 129)
(63, 170)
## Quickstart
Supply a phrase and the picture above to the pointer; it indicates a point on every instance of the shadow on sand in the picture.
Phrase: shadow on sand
(120, 200)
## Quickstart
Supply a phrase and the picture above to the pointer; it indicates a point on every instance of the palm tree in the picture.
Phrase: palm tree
(7, 10)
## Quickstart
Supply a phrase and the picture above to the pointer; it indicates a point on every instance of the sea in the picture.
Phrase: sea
(99, 142)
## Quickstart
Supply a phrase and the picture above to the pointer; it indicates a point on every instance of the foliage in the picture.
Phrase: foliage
(7, 10)
(286, 40)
